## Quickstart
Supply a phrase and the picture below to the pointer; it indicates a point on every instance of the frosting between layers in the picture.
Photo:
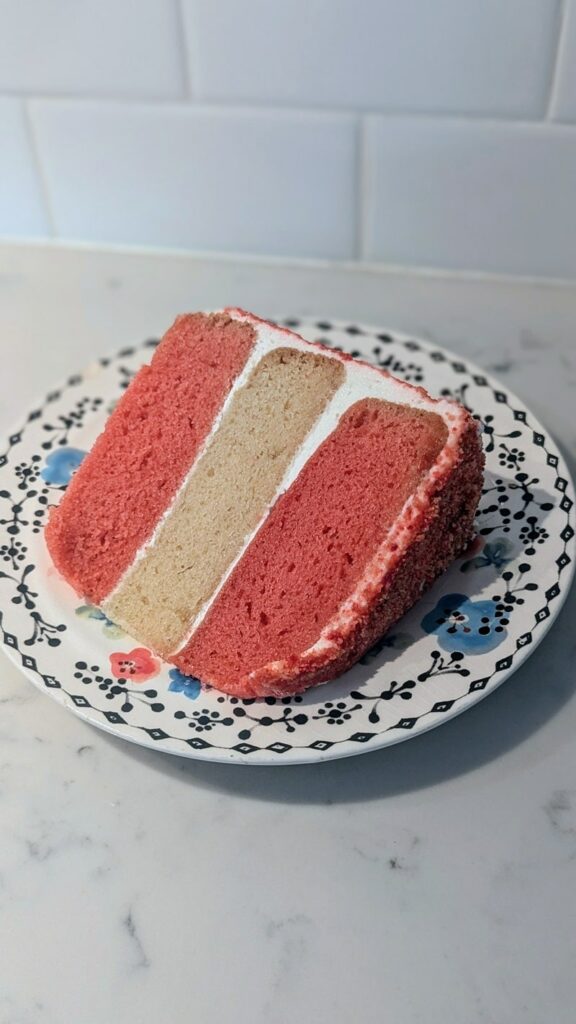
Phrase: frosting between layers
(362, 381)
(225, 497)
(241, 380)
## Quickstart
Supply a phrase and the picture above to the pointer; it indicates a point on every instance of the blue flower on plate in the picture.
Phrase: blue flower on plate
(60, 465)
(460, 624)
(109, 628)
(497, 552)
(179, 683)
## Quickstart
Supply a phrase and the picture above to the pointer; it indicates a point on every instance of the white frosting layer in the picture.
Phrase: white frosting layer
(361, 381)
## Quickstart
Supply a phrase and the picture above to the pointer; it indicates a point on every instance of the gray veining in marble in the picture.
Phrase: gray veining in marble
(431, 882)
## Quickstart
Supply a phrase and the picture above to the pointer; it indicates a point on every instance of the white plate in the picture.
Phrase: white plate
(478, 623)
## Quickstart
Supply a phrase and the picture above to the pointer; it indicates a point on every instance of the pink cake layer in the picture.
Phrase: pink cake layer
(315, 547)
(136, 466)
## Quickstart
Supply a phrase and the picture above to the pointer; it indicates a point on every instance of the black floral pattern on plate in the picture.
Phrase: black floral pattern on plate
(513, 529)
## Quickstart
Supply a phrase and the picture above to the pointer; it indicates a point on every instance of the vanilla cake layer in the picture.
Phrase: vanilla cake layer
(230, 488)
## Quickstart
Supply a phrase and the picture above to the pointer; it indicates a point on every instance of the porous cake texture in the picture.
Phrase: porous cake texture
(223, 501)
(273, 506)
(141, 459)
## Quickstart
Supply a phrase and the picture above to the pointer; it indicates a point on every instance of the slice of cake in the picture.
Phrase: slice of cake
(259, 510)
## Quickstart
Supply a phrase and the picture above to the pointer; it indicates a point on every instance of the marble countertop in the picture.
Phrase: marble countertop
(429, 882)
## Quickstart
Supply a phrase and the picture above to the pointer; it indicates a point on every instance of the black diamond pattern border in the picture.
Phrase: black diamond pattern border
(479, 684)
(443, 705)
(524, 640)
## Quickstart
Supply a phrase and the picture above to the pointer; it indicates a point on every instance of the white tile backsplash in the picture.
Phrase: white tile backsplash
(472, 196)
(21, 211)
(98, 47)
(460, 56)
(564, 103)
(257, 182)
(236, 125)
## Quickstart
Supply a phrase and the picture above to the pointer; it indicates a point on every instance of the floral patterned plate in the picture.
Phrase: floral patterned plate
(466, 636)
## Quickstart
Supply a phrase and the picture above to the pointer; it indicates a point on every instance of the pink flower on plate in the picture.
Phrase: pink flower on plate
(136, 666)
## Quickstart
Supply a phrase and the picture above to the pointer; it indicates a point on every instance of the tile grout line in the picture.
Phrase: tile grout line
(554, 83)
(361, 187)
(183, 48)
(232, 107)
(39, 168)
